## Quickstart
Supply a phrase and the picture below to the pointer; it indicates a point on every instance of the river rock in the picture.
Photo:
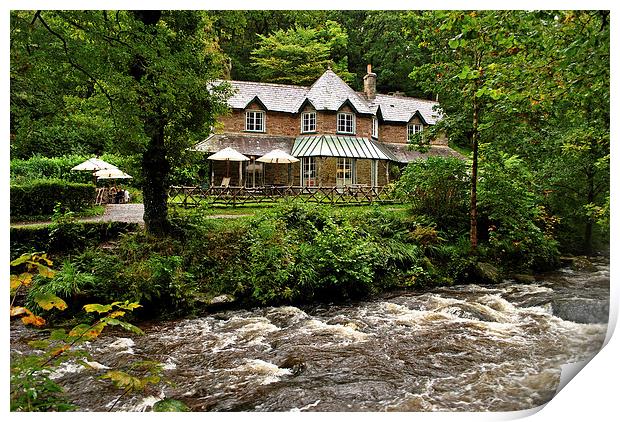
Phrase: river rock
(487, 273)
(582, 310)
(222, 299)
(216, 303)
(578, 263)
(295, 364)
(524, 278)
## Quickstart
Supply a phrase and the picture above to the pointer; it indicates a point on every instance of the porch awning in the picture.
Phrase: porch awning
(340, 146)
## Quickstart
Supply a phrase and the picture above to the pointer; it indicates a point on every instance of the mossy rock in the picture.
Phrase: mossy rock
(487, 273)
(524, 278)
(578, 263)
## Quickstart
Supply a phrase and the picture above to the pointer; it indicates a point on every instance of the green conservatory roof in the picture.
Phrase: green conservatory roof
(340, 146)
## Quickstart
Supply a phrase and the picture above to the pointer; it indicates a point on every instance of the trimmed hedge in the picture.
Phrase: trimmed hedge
(66, 237)
(41, 196)
(37, 167)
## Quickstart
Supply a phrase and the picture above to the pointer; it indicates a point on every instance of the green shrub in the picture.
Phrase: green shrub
(38, 167)
(510, 199)
(64, 237)
(39, 197)
(68, 283)
(437, 187)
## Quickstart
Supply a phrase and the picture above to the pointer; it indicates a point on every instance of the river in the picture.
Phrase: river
(460, 348)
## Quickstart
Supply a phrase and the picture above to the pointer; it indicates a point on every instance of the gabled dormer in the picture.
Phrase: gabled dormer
(255, 116)
(346, 118)
(415, 125)
(307, 117)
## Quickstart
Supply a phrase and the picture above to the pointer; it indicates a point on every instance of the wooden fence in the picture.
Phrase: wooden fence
(192, 196)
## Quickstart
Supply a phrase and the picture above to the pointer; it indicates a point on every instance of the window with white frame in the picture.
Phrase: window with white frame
(346, 123)
(412, 129)
(255, 121)
(308, 171)
(344, 172)
(308, 122)
(375, 127)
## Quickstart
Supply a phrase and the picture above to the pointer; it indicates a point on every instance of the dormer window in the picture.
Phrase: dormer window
(375, 127)
(412, 129)
(255, 121)
(346, 123)
(308, 122)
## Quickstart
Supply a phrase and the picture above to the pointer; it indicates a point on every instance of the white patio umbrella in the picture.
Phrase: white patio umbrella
(111, 174)
(278, 156)
(93, 164)
(228, 154)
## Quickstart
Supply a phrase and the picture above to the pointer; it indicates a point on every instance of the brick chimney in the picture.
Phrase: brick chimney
(370, 84)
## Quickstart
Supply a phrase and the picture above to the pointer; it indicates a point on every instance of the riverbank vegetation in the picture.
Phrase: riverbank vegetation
(533, 182)
(291, 253)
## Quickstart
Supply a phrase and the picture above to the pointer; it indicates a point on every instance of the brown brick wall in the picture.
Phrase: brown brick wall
(393, 133)
(286, 124)
(396, 133)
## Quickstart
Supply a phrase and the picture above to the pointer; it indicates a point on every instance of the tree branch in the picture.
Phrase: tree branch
(70, 60)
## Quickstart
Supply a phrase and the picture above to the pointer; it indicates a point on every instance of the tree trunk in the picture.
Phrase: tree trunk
(473, 207)
(155, 165)
(155, 168)
(587, 240)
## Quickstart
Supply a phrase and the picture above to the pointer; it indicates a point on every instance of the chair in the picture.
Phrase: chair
(225, 182)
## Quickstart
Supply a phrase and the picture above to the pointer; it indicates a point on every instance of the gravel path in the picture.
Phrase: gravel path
(127, 213)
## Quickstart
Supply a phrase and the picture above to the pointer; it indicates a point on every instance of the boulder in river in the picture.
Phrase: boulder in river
(487, 273)
(582, 310)
(217, 303)
(295, 364)
(578, 263)
(524, 278)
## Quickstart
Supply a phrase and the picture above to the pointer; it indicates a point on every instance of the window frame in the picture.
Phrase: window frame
(255, 113)
(346, 167)
(375, 128)
(308, 171)
(309, 114)
(345, 114)
(415, 130)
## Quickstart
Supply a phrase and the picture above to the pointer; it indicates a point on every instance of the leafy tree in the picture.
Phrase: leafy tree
(469, 52)
(300, 55)
(437, 187)
(152, 69)
(387, 43)
(238, 32)
(536, 85)
(575, 95)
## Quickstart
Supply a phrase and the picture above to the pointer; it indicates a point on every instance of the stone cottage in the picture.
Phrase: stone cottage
(340, 136)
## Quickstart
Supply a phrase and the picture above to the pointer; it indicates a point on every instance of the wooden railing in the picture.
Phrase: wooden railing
(192, 196)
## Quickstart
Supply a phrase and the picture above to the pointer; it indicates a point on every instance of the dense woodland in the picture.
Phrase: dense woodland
(525, 98)
(515, 86)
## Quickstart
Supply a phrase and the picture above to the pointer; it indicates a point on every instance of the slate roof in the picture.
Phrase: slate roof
(402, 109)
(275, 97)
(329, 92)
(255, 145)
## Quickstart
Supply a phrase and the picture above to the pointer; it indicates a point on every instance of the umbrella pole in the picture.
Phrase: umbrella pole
(212, 176)
(253, 172)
